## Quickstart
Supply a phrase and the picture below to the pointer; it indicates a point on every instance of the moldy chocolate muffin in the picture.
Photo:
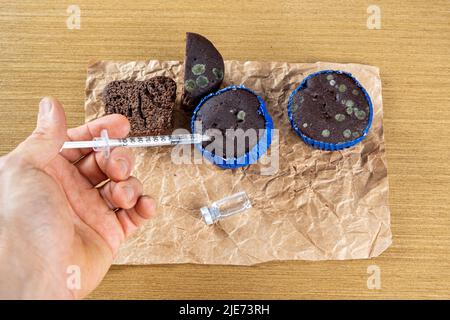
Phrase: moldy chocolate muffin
(236, 117)
(330, 110)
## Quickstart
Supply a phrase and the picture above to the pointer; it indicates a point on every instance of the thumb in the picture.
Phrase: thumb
(47, 139)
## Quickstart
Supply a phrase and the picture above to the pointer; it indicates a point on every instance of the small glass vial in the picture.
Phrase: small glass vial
(226, 207)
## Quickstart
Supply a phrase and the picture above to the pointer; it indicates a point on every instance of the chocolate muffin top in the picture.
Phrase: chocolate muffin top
(203, 70)
(331, 108)
(232, 109)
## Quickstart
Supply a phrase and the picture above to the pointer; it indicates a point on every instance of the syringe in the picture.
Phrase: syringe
(104, 144)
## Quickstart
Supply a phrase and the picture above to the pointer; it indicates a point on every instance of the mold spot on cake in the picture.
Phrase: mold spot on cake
(202, 81)
(347, 133)
(198, 69)
(241, 116)
(339, 117)
(349, 110)
(326, 133)
(218, 73)
(190, 85)
(361, 115)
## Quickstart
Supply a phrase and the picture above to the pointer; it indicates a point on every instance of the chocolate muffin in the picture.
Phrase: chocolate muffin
(224, 113)
(148, 104)
(330, 110)
(203, 70)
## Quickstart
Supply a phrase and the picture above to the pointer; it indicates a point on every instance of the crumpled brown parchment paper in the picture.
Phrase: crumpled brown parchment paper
(317, 206)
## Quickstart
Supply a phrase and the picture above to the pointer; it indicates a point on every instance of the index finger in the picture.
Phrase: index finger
(117, 126)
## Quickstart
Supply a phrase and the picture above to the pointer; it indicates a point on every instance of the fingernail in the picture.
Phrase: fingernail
(123, 167)
(45, 106)
(129, 192)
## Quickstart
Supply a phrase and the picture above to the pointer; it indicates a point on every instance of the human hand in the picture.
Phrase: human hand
(53, 216)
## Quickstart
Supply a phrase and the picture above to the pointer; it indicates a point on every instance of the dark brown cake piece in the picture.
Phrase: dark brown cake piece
(203, 70)
(148, 104)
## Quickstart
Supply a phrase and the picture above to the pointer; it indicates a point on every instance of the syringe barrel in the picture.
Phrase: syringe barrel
(104, 144)
(156, 141)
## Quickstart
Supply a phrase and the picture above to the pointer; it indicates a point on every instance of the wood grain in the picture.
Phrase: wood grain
(40, 56)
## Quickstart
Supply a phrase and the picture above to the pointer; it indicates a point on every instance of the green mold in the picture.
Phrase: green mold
(349, 110)
(356, 134)
(349, 103)
(294, 107)
(326, 133)
(361, 115)
(241, 115)
(342, 88)
(355, 92)
(330, 77)
(218, 73)
(198, 69)
(339, 117)
(202, 81)
(190, 85)
(347, 133)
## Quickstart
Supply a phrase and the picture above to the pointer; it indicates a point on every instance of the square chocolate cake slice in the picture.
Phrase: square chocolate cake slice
(148, 104)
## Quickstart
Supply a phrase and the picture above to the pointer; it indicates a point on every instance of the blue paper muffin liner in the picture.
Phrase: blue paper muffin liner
(256, 152)
(327, 145)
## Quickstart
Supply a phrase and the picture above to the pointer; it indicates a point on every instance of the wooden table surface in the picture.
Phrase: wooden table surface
(40, 56)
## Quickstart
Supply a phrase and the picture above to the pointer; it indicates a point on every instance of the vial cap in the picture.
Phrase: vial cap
(207, 215)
